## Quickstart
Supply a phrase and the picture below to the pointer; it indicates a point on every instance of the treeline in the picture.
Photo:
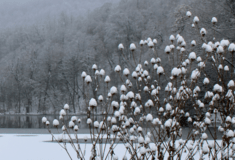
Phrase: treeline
(41, 64)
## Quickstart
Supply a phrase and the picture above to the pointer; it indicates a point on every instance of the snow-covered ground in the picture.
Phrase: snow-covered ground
(35, 147)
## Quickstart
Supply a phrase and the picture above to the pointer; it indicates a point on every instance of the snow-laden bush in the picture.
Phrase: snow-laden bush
(147, 112)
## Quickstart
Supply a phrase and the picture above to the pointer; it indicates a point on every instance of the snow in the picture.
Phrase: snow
(172, 38)
(153, 60)
(149, 117)
(126, 72)
(83, 75)
(117, 68)
(231, 47)
(226, 68)
(167, 49)
(102, 72)
(62, 112)
(120, 46)
(66, 107)
(132, 47)
(188, 13)
(100, 98)
(107, 79)
(113, 90)
(193, 43)
(160, 70)
(231, 84)
(206, 81)
(154, 41)
(203, 31)
(150, 44)
(214, 20)
(88, 79)
(141, 43)
(208, 49)
(92, 102)
(71, 124)
(168, 107)
(196, 19)
(55, 123)
(220, 50)
(44, 119)
(192, 56)
(94, 67)
(224, 43)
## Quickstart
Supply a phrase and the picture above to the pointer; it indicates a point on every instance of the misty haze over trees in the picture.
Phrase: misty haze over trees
(45, 46)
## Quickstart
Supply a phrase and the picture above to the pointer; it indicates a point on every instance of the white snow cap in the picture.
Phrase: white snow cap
(44, 119)
(231, 84)
(193, 43)
(134, 74)
(168, 123)
(176, 71)
(203, 31)
(172, 38)
(208, 49)
(55, 123)
(195, 74)
(188, 13)
(155, 41)
(94, 67)
(230, 134)
(107, 79)
(150, 44)
(130, 95)
(102, 72)
(199, 59)
(167, 49)
(231, 47)
(226, 68)
(204, 136)
(88, 79)
(92, 102)
(220, 50)
(195, 19)
(71, 124)
(97, 72)
(141, 42)
(117, 68)
(132, 46)
(217, 88)
(153, 60)
(168, 107)
(123, 88)
(180, 39)
(62, 112)
(83, 75)
(206, 81)
(214, 20)
(126, 72)
(149, 117)
(160, 70)
(66, 107)
(224, 43)
(113, 90)
(96, 124)
(120, 46)
(192, 56)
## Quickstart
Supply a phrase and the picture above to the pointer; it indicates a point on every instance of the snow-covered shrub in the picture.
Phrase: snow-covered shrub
(147, 111)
